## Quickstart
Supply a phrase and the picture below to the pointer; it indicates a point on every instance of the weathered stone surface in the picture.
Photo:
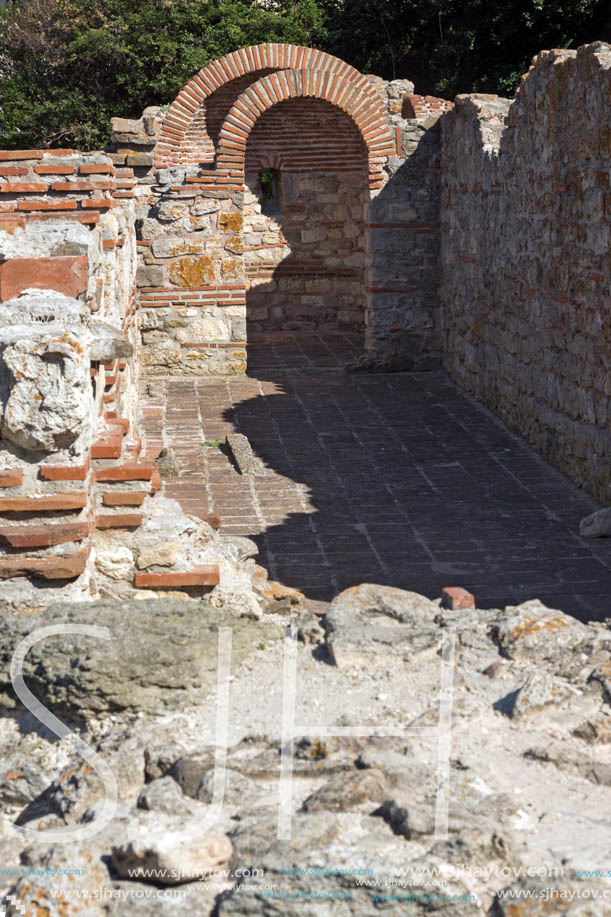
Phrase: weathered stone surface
(167, 464)
(44, 368)
(90, 861)
(326, 857)
(551, 895)
(150, 275)
(192, 272)
(595, 731)
(174, 862)
(242, 454)
(164, 554)
(116, 562)
(532, 632)
(160, 656)
(347, 792)
(371, 624)
(164, 795)
(539, 691)
(597, 525)
(109, 343)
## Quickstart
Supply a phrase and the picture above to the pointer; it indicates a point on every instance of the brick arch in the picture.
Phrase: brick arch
(329, 86)
(184, 139)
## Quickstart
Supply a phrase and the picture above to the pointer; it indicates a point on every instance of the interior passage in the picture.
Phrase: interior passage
(400, 479)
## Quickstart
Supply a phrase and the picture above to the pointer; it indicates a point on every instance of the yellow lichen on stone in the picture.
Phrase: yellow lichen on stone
(231, 222)
(232, 269)
(192, 272)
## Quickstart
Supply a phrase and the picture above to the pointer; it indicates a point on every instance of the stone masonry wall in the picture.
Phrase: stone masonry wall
(305, 253)
(69, 350)
(526, 263)
(352, 242)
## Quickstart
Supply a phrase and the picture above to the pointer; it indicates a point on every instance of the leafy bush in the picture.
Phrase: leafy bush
(68, 66)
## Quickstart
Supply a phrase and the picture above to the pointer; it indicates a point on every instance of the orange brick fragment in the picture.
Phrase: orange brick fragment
(11, 478)
(206, 575)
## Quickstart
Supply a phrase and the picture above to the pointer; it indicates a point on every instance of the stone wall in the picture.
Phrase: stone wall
(305, 246)
(350, 240)
(69, 347)
(526, 266)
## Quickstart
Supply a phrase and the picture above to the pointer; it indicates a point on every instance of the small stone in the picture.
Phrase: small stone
(494, 670)
(167, 464)
(596, 525)
(116, 563)
(381, 624)
(242, 454)
(540, 690)
(175, 862)
(164, 795)
(164, 554)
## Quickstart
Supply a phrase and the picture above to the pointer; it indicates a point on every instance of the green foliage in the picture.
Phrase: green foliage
(452, 46)
(68, 66)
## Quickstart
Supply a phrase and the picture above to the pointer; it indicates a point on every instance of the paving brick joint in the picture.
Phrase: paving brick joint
(400, 479)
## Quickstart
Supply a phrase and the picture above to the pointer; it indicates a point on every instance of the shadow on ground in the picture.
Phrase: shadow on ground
(409, 482)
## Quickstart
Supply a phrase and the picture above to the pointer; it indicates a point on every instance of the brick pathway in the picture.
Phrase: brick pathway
(399, 479)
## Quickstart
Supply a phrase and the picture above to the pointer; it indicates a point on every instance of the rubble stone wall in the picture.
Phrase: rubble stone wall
(69, 353)
(305, 244)
(526, 264)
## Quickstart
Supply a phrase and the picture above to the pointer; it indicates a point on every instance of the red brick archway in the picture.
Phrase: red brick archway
(325, 85)
(185, 137)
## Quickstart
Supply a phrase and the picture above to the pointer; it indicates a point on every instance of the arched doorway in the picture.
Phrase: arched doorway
(306, 193)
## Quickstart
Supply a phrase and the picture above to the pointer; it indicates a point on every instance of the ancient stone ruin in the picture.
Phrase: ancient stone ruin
(284, 190)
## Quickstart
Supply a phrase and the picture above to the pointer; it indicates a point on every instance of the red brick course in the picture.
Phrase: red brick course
(119, 521)
(11, 478)
(36, 536)
(206, 575)
(48, 568)
(43, 503)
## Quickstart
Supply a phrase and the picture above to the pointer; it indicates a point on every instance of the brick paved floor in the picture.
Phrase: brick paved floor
(399, 479)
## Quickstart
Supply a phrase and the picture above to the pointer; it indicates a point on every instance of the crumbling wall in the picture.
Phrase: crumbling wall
(526, 257)
(69, 344)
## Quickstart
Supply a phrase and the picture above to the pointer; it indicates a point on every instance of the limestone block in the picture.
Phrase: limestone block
(200, 208)
(173, 246)
(116, 562)
(205, 329)
(44, 372)
(150, 275)
(172, 210)
(192, 272)
(109, 343)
